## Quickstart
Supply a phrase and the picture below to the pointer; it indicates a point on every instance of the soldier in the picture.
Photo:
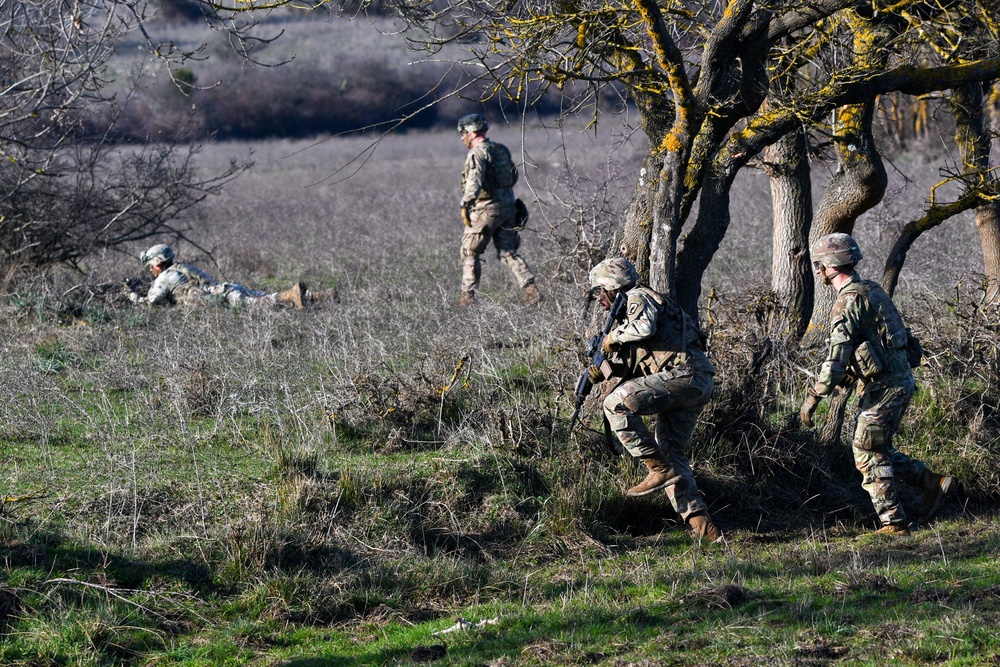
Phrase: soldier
(489, 210)
(868, 344)
(183, 283)
(659, 355)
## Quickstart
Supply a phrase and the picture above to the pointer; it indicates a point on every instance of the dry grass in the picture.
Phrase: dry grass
(387, 458)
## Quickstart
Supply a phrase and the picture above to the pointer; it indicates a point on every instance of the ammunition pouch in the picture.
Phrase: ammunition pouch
(868, 360)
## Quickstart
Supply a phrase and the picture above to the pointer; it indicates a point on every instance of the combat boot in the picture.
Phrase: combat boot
(935, 496)
(893, 529)
(293, 295)
(703, 526)
(531, 295)
(467, 299)
(660, 472)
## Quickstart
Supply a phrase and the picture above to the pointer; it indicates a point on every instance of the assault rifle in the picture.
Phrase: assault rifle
(595, 357)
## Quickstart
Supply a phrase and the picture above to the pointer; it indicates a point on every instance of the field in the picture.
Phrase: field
(338, 486)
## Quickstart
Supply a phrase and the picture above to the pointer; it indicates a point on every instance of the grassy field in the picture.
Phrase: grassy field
(339, 486)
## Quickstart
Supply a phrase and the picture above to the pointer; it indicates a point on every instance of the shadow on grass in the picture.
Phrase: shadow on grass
(52, 551)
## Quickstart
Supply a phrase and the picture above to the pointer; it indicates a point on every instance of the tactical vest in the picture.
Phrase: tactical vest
(676, 342)
(883, 349)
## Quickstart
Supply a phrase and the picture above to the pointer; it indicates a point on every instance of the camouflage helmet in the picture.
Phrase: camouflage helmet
(473, 122)
(835, 250)
(614, 273)
(158, 254)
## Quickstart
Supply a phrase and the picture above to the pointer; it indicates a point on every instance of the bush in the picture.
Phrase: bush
(304, 101)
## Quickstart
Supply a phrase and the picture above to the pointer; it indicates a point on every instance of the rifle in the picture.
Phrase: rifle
(596, 357)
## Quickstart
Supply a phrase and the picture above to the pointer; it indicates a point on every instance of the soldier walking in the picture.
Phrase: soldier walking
(489, 210)
(186, 284)
(868, 342)
(658, 354)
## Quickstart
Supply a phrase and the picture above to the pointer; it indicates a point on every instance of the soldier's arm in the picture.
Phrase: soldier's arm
(474, 176)
(161, 289)
(845, 324)
(640, 320)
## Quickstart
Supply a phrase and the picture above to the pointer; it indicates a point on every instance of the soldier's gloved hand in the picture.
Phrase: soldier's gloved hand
(466, 218)
(808, 408)
(133, 297)
(609, 344)
(595, 374)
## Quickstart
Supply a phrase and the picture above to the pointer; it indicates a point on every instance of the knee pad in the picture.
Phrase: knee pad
(871, 438)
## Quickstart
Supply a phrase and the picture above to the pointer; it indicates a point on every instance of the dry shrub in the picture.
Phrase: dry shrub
(761, 463)
(202, 389)
(954, 419)
(306, 100)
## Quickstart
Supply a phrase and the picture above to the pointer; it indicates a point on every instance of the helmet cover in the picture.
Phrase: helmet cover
(835, 250)
(158, 254)
(614, 273)
(473, 122)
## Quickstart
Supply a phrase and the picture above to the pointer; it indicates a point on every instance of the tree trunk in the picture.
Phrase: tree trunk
(988, 215)
(988, 224)
(705, 236)
(787, 164)
(667, 226)
(636, 232)
(858, 184)
(829, 434)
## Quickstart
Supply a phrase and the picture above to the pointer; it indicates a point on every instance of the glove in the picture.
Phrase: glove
(133, 297)
(595, 374)
(808, 408)
(466, 220)
(608, 344)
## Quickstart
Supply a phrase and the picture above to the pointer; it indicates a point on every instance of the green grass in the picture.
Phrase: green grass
(333, 486)
(929, 599)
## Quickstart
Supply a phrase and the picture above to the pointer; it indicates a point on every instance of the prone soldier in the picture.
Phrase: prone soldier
(174, 282)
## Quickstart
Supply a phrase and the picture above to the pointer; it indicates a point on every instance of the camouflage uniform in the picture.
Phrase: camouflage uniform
(488, 195)
(186, 284)
(868, 342)
(659, 354)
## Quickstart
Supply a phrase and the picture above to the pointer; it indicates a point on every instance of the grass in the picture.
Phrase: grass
(334, 486)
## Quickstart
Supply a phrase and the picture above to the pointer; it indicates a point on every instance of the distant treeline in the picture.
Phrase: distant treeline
(343, 89)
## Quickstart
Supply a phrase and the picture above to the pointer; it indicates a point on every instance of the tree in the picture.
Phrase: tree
(698, 76)
(64, 188)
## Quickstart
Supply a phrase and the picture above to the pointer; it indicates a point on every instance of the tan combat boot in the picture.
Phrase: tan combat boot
(293, 295)
(531, 295)
(703, 526)
(660, 472)
(466, 300)
(934, 496)
(893, 529)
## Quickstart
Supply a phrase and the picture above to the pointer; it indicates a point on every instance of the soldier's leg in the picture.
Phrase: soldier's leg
(507, 242)
(673, 435)
(879, 414)
(473, 245)
(911, 471)
(238, 295)
(623, 407)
